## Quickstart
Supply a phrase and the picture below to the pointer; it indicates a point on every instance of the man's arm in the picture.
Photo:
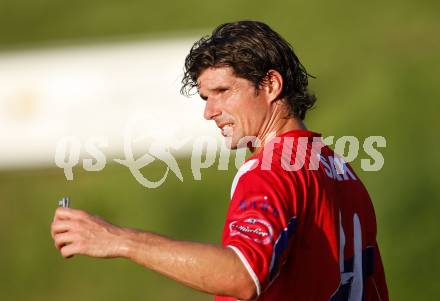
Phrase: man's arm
(208, 268)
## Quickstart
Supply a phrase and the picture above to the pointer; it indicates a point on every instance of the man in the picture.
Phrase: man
(300, 225)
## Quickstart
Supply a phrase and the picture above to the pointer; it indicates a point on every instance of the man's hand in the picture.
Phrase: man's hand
(78, 232)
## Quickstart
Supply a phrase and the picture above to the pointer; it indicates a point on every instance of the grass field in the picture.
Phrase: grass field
(377, 67)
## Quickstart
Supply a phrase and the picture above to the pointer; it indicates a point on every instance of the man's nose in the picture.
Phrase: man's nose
(211, 109)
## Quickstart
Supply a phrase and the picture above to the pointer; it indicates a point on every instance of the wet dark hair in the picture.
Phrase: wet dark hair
(251, 49)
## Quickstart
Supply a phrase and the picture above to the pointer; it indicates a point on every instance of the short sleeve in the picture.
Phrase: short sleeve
(260, 224)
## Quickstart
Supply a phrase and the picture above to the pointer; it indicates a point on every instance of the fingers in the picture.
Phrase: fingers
(61, 226)
(64, 222)
(68, 244)
(69, 250)
(63, 239)
(69, 213)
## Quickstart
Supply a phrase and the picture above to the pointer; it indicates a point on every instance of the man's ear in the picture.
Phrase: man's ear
(273, 85)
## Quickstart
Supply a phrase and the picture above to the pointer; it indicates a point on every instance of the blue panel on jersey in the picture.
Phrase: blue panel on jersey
(280, 246)
(343, 292)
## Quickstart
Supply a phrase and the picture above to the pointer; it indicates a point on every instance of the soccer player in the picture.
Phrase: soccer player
(300, 224)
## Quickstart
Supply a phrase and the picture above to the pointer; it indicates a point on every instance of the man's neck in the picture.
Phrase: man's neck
(278, 123)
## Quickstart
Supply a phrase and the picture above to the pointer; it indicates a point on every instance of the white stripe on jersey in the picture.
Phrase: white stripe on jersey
(241, 171)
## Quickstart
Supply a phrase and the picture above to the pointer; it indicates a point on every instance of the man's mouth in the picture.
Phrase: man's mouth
(227, 130)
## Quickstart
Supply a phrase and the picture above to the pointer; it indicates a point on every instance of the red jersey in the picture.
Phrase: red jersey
(303, 224)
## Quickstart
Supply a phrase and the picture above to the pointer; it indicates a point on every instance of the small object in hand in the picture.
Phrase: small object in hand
(65, 202)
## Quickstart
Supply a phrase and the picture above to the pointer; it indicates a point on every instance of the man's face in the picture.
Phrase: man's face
(233, 103)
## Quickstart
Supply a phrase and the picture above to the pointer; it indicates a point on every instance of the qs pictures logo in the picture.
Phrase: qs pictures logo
(146, 140)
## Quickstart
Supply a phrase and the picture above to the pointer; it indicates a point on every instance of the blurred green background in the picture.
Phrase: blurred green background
(377, 67)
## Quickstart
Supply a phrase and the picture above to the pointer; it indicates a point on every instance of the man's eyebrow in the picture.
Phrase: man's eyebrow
(217, 89)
